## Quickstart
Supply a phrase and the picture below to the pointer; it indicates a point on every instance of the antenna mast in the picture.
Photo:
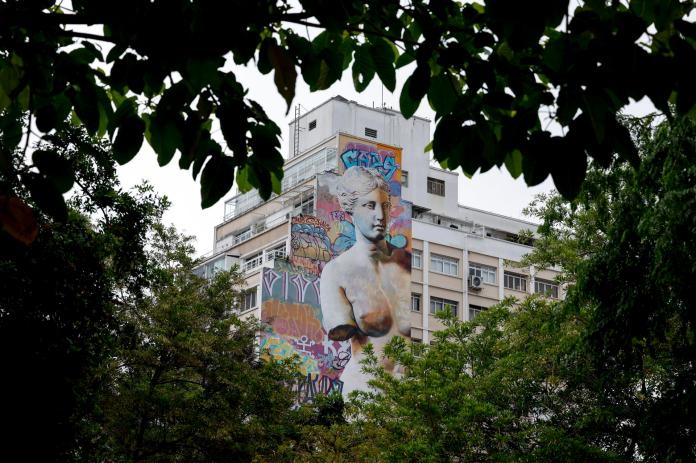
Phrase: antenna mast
(296, 140)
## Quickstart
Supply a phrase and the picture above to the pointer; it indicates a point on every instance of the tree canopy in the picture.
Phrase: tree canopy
(606, 374)
(488, 70)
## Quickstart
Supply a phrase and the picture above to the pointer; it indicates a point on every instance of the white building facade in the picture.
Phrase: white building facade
(463, 258)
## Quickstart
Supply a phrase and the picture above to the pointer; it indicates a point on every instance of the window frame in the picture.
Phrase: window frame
(419, 298)
(435, 186)
(248, 300)
(370, 132)
(484, 271)
(553, 287)
(454, 305)
(445, 261)
(404, 178)
(476, 310)
(312, 125)
(513, 277)
(417, 254)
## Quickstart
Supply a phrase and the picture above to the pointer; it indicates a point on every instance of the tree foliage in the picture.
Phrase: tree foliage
(185, 383)
(58, 295)
(605, 375)
(487, 70)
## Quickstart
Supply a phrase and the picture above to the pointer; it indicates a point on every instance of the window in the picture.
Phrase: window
(313, 124)
(415, 302)
(514, 281)
(248, 301)
(547, 288)
(276, 252)
(474, 310)
(438, 304)
(417, 259)
(304, 207)
(372, 133)
(486, 273)
(444, 264)
(253, 261)
(404, 178)
(436, 187)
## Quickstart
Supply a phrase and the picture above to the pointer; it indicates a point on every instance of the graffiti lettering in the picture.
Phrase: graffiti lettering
(308, 388)
(384, 163)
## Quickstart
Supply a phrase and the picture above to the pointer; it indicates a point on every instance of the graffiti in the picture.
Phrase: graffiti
(361, 155)
(311, 385)
(309, 238)
(290, 286)
(328, 282)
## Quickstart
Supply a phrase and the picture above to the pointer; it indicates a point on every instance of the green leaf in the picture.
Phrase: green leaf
(46, 195)
(568, 171)
(513, 163)
(363, 68)
(264, 63)
(404, 59)
(243, 179)
(383, 58)
(216, 180)
(414, 90)
(129, 139)
(87, 107)
(285, 73)
(276, 184)
(443, 93)
(164, 137)
(55, 168)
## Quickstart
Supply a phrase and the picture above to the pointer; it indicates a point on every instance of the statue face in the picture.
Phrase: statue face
(370, 214)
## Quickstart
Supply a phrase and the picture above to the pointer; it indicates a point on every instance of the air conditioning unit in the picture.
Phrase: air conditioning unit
(475, 282)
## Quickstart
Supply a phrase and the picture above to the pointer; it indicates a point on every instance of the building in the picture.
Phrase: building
(461, 257)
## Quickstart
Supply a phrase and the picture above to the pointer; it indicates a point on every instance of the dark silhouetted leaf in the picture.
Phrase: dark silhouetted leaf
(216, 180)
(55, 168)
(129, 139)
(383, 57)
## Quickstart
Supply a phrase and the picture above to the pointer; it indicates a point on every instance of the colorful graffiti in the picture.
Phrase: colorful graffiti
(347, 282)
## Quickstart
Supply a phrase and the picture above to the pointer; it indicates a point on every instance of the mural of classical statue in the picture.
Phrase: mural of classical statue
(365, 292)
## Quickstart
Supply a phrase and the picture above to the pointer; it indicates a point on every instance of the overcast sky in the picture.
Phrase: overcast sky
(494, 191)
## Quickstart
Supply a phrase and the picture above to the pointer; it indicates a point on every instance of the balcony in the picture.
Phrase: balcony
(321, 161)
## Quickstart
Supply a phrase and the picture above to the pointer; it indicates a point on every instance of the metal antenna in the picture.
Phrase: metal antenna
(296, 145)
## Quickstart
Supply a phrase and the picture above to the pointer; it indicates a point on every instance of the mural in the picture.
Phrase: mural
(348, 279)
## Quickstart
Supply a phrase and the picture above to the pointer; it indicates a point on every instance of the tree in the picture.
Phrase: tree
(186, 385)
(58, 297)
(605, 375)
(487, 70)
(635, 271)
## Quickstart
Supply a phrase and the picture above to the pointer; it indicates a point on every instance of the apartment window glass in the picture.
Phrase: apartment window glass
(474, 310)
(313, 124)
(248, 299)
(415, 302)
(436, 187)
(548, 288)
(253, 261)
(438, 304)
(444, 264)
(515, 281)
(305, 206)
(486, 273)
(404, 178)
(372, 133)
(417, 259)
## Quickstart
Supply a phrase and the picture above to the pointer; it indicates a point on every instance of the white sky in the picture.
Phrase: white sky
(494, 191)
